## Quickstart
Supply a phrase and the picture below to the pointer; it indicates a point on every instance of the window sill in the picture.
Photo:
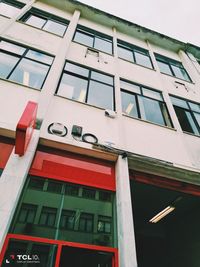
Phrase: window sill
(97, 50)
(176, 78)
(54, 34)
(20, 84)
(86, 104)
(191, 134)
(134, 63)
(149, 122)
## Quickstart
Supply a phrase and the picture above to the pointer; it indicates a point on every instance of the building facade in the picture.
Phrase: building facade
(99, 140)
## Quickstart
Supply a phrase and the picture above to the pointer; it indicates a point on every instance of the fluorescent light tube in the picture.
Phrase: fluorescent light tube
(129, 108)
(26, 78)
(162, 214)
(82, 96)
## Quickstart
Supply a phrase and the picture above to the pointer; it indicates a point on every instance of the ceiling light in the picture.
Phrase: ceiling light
(162, 214)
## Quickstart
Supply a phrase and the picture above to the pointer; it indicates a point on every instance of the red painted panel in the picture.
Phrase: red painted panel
(75, 169)
(60, 244)
(25, 128)
(6, 147)
(166, 183)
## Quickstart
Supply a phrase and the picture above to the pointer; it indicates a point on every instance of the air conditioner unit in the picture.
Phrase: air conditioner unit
(103, 239)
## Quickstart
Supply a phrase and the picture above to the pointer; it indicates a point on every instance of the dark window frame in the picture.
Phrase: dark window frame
(88, 79)
(23, 56)
(94, 34)
(46, 16)
(48, 214)
(66, 213)
(27, 208)
(172, 62)
(86, 220)
(190, 110)
(104, 219)
(133, 48)
(12, 3)
(148, 97)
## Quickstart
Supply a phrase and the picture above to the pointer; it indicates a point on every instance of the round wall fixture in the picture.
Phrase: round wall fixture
(58, 129)
(90, 138)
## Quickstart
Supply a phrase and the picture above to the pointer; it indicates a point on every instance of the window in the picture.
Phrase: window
(88, 193)
(104, 224)
(94, 39)
(48, 216)
(36, 183)
(88, 86)
(45, 21)
(134, 54)
(144, 103)
(172, 67)
(188, 114)
(10, 8)
(67, 219)
(71, 190)
(86, 222)
(27, 213)
(54, 187)
(26, 66)
(105, 196)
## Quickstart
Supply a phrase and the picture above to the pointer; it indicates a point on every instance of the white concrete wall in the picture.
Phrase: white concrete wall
(155, 141)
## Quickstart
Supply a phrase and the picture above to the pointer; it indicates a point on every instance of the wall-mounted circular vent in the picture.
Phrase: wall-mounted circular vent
(58, 129)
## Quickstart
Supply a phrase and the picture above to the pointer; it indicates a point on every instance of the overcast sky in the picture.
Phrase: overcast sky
(179, 19)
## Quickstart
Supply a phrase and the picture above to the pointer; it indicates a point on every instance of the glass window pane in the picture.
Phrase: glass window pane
(39, 57)
(43, 218)
(107, 227)
(54, 187)
(180, 73)
(8, 10)
(82, 224)
(102, 77)
(125, 54)
(76, 69)
(55, 27)
(31, 216)
(152, 94)
(165, 114)
(130, 87)
(164, 68)
(51, 219)
(7, 63)
(73, 87)
(100, 95)
(22, 215)
(12, 48)
(84, 38)
(30, 73)
(150, 110)
(194, 107)
(35, 21)
(129, 106)
(36, 183)
(143, 60)
(179, 102)
(89, 226)
(197, 117)
(103, 45)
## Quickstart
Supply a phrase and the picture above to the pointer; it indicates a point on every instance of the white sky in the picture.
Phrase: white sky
(179, 19)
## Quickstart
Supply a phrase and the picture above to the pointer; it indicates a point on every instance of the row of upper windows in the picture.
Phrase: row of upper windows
(69, 220)
(99, 41)
(30, 67)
